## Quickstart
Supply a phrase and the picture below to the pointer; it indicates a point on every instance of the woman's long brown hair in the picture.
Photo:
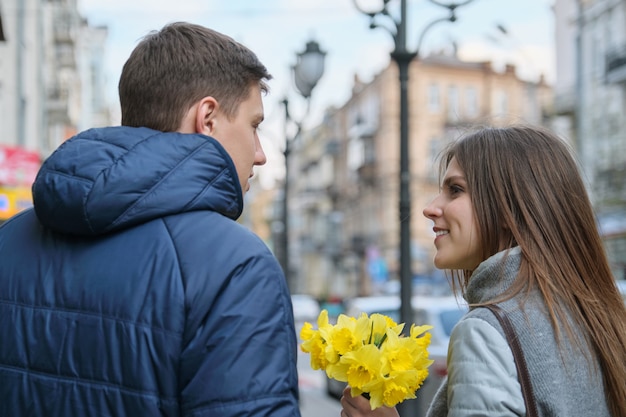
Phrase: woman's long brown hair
(527, 191)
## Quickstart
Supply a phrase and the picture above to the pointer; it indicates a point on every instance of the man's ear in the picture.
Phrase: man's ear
(206, 112)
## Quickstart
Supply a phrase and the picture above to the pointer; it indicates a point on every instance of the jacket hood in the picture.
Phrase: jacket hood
(108, 179)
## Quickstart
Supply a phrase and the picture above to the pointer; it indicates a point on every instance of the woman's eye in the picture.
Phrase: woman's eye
(455, 189)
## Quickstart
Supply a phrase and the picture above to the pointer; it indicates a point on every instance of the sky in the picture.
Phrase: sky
(277, 30)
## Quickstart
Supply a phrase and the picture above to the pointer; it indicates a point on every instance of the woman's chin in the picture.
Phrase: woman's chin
(440, 263)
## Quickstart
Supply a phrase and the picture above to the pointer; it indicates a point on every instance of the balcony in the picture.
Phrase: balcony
(65, 56)
(616, 65)
(64, 27)
(57, 106)
(367, 173)
(565, 102)
(63, 33)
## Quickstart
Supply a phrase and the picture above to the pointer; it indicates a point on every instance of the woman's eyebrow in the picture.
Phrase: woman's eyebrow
(452, 178)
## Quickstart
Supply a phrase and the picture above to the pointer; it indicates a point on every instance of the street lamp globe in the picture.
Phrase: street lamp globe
(309, 68)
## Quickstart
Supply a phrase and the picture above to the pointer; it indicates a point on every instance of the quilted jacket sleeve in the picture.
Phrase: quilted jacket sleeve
(239, 344)
(482, 379)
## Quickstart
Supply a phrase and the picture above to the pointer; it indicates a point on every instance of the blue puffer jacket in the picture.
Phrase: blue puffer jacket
(131, 291)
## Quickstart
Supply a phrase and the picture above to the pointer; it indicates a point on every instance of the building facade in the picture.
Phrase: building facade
(590, 93)
(51, 86)
(51, 74)
(346, 201)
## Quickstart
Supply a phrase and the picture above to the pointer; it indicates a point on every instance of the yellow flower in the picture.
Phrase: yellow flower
(363, 366)
(350, 335)
(314, 342)
(371, 354)
(417, 331)
(398, 386)
(315, 345)
(342, 337)
(380, 325)
(398, 352)
(307, 332)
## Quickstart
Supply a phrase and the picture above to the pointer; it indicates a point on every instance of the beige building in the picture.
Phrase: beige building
(345, 202)
(257, 211)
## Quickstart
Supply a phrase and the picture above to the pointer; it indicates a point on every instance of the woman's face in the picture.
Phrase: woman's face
(456, 231)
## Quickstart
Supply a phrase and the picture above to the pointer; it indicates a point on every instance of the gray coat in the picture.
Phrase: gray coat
(482, 379)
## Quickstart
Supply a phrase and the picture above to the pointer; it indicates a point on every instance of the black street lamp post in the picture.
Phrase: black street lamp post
(403, 58)
(307, 71)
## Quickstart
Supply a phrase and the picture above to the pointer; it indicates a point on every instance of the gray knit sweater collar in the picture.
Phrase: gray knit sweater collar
(493, 276)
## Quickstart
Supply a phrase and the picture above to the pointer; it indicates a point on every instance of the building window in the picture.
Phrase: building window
(435, 146)
(361, 151)
(501, 103)
(433, 98)
(453, 103)
(471, 102)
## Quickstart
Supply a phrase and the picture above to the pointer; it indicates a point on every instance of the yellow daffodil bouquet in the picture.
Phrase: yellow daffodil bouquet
(371, 354)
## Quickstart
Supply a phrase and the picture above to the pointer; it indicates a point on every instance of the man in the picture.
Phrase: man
(131, 290)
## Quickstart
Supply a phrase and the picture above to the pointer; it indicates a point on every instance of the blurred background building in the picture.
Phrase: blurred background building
(345, 223)
(51, 73)
(343, 198)
(51, 86)
(344, 226)
(590, 102)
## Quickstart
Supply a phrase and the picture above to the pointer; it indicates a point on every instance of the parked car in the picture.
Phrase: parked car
(334, 306)
(441, 312)
(621, 286)
(305, 308)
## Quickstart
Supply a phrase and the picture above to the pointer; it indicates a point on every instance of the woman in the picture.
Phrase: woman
(515, 225)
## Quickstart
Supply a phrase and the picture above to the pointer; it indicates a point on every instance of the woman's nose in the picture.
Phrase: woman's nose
(432, 210)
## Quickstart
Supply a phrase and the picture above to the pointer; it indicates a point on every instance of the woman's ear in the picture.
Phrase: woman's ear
(206, 112)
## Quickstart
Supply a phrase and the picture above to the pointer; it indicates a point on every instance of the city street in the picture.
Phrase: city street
(314, 402)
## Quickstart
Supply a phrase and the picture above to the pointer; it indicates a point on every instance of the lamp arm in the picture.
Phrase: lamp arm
(285, 103)
(451, 5)
(297, 123)
(392, 32)
(384, 11)
(450, 18)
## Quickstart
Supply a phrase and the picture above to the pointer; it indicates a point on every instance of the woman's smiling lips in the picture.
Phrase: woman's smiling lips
(439, 232)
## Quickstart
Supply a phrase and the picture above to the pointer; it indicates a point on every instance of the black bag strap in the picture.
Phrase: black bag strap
(520, 360)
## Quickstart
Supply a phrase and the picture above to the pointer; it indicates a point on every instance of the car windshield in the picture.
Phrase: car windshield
(392, 314)
(449, 318)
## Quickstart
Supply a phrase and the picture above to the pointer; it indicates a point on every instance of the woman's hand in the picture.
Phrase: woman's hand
(359, 406)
